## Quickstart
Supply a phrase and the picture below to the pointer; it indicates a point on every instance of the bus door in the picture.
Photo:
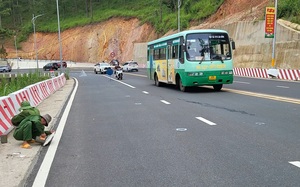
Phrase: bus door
(168, 60)
(151, 64)
(171, 62)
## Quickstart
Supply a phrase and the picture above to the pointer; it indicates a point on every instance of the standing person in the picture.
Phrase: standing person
(30, 128)
(25, 110)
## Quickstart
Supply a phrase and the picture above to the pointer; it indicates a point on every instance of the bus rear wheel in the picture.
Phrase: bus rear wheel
(156, 82)
(218, 87)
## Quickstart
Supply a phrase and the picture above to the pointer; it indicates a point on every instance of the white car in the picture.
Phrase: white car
(101, 67)
(130, 66)
(4, 66)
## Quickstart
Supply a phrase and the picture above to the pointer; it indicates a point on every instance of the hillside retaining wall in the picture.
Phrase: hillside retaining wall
(253, 50)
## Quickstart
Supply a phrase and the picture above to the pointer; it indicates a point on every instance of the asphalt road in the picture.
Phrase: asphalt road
(131, 133)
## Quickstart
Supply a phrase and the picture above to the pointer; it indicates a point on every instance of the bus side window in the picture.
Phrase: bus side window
(170, 54)
(162, 53)
(156, 54)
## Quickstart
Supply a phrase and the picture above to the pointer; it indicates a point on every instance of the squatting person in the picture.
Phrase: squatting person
(32, 127)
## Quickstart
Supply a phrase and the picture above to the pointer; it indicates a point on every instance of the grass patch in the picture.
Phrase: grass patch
(12, 84)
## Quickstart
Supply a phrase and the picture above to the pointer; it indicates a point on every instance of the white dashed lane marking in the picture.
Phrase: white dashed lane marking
(145, 92)
(166, 102)
(295, 163)
(241, 82)
(206, 121)
(282, 87)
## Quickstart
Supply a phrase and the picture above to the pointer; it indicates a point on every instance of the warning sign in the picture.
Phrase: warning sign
(112, 54)
(270, 22)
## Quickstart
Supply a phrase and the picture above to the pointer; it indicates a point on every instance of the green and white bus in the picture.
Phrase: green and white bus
(192, 58)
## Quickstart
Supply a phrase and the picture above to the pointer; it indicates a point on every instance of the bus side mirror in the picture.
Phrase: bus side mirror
(233, 45)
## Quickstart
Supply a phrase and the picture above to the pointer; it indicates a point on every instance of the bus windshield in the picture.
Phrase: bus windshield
(208, 46)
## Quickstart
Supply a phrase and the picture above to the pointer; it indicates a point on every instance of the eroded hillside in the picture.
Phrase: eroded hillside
(93, 43)
(90, 43)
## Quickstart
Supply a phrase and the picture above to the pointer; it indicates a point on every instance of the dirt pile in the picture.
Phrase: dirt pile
(94, 43)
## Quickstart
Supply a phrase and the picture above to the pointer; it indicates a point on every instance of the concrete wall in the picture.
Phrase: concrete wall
(253, 50)
(140, 54)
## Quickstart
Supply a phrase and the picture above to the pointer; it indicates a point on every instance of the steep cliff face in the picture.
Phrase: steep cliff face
(91, 43)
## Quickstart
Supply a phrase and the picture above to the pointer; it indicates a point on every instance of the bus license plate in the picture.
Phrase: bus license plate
(212, 78)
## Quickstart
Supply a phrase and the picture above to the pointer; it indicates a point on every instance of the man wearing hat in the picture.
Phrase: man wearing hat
(25, 110)
(30, 128)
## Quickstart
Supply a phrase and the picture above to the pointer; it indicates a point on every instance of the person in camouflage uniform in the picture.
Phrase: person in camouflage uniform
(25, 110)
(30, 128)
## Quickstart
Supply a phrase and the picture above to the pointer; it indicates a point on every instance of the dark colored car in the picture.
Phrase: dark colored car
(64, 64)
(51, 66)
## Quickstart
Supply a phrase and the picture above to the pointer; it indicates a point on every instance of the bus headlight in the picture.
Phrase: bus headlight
(226, 72)
(193, 74)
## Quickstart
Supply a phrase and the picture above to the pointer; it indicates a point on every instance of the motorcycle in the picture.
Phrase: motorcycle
(119, 73)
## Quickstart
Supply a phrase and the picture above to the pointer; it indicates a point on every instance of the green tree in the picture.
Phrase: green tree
(289, 9)
(171, 4)
(4, 9)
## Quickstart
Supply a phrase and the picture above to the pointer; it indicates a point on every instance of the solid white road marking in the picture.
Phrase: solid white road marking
(42, 175)
(166, 102)
(206, 121)
(282, 87)
(295, 163)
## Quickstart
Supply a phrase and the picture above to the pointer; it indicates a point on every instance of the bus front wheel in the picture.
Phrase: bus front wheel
(218, 87)
(181, 87)
(156, 82)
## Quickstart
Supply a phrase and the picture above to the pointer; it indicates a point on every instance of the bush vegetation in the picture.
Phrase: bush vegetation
(9, 85)
(17, 82)
(289, 9)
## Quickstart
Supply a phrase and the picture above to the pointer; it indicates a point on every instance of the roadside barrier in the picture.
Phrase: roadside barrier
(289, 74)
(284, 74)
(251, 72)
(44, 89)
(50, 86)
(7, 111)
(19, 96)
(35, 94)
(56, 83)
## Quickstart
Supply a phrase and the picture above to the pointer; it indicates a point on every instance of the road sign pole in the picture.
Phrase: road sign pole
(274, 39)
